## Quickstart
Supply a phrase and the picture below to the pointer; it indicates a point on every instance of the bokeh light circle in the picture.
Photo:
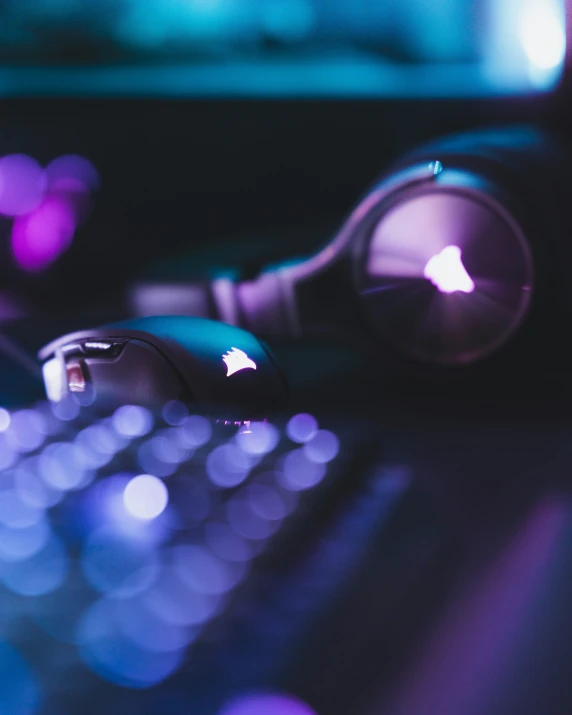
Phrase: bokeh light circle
(39, 237)
(175, 412)
(301, 428)
(227, 466)
(145, 497)
(322, 447)
(114, 656)
(260, 438)
(43, 573)
(118, 565)
(266, 704)
(72, 166)
(22, 184)
(299, 473)
(132, 421)
(197, 430)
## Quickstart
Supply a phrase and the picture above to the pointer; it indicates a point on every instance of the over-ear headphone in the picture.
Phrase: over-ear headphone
(442, 262)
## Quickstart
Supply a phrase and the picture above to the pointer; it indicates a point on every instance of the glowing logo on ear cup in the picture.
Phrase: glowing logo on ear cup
(447, 272)
(236, 360)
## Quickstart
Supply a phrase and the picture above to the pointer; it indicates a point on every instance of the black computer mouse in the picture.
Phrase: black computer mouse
(151, 361)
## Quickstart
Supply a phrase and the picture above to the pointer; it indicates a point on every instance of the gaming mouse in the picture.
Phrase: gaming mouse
(151, 361)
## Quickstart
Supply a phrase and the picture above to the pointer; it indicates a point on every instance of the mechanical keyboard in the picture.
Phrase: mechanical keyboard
(173, 563)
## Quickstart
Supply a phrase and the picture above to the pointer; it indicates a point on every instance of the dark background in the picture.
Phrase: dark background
(177, 175)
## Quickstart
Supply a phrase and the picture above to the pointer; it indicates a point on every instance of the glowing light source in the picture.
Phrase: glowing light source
(447, 272)
(39, 237)
(543, 34)
(236, 360)
(145, 497)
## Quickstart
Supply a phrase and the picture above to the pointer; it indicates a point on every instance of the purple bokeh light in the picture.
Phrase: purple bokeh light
(22, 184)
(40, 237)
(47, 205)
(266, 704)
(72, 166)
(301, 427)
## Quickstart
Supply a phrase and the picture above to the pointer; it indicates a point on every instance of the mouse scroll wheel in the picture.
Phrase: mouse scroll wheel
(103, 348)
(95, 348)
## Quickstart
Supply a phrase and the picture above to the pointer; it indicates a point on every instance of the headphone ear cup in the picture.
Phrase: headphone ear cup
(532, 170)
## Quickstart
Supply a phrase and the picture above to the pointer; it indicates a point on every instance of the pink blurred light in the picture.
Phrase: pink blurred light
(22, 184)
(41, 236)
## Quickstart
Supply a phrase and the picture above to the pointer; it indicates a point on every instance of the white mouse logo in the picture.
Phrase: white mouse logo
(236, 360)
(447, 272)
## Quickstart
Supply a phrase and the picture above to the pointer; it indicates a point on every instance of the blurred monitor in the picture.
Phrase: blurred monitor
(281, 48)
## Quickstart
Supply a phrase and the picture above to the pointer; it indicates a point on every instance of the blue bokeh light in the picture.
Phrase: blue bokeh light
(44, 572)
(177, 604)
(115, 657)
(118, 565)
(19, 690)
(19, 544)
